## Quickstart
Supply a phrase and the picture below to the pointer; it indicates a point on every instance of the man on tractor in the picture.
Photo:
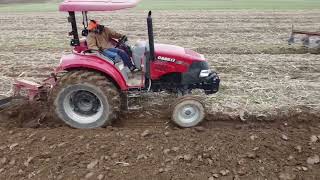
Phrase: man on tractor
(100, 37)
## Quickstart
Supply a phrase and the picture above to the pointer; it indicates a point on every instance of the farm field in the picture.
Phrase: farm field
(263, 124)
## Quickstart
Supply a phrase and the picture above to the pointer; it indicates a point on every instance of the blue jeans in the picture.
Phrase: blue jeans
(113, 53)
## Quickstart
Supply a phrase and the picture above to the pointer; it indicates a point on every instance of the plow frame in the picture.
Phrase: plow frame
(32, 90)
(305, 40)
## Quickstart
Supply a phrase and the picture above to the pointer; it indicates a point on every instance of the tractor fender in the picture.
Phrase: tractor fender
(77, 61)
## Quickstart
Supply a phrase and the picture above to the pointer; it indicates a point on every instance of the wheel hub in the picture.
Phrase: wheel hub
(85, 103)
(188, 113)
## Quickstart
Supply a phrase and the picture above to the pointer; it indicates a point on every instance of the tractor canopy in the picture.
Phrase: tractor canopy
(96, 5)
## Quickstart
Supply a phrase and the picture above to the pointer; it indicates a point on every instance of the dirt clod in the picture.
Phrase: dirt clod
(224, 172)
(313, 160)
(251, 155)
(187, 157)
(142, 156)
(92, 164)
(298, 148)
(3, 160)
(28, 161)
(100, 177)
(313, 139)
(215, 175)
(200, 129)
(146, 133)
(284, 137)
(13, 146)
(89, 175)
(253, 137)
(12, 162)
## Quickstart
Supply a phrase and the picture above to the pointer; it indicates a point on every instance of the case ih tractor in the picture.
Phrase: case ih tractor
(89, 90)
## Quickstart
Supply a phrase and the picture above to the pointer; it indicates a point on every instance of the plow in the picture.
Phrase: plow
(309, 39)
(29, 91)
(90, 90)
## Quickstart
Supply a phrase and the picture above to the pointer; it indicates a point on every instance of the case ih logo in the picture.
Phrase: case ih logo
(166, 59)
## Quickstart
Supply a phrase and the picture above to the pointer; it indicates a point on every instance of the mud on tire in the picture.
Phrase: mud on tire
(86, 99)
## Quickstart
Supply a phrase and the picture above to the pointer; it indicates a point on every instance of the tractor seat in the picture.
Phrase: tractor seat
(138, 54)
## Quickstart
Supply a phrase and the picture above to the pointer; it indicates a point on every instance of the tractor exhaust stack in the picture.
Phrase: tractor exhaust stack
(151, 45)
(151, 36)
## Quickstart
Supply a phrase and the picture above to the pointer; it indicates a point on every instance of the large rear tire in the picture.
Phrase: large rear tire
(85, 99)
(188, 111)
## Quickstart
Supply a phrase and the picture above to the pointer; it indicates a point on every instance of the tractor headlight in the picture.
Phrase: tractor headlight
(204, 73)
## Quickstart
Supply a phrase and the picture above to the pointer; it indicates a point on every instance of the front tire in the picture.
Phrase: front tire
(188, 112)
(86, 99)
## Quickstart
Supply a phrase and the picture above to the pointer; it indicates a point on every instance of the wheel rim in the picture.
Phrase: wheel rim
(189, 113)
(83, 106)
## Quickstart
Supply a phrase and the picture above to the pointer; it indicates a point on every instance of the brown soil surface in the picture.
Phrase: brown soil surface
(263, 124)
(144, 145)
(226, 150)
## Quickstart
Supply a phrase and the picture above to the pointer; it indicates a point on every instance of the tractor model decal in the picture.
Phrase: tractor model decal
(166, 59)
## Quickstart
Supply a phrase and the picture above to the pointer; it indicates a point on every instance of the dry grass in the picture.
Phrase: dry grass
(260, 74)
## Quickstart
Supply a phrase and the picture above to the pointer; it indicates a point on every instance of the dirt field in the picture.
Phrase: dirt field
(263, 124)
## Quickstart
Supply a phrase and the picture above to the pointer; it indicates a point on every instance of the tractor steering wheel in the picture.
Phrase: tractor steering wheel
(121, 41)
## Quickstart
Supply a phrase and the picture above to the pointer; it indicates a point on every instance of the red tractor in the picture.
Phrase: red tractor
(89, 90)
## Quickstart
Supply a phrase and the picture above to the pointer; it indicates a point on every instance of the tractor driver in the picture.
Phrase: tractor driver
(99, 38)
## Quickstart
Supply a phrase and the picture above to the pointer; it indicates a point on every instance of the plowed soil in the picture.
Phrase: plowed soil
(263, 124)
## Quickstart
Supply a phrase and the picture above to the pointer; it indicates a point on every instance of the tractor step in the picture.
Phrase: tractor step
(134, 94)
(134, 108)
(133, 101)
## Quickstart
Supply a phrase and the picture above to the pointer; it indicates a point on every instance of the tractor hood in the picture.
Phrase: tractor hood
(172, 53)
